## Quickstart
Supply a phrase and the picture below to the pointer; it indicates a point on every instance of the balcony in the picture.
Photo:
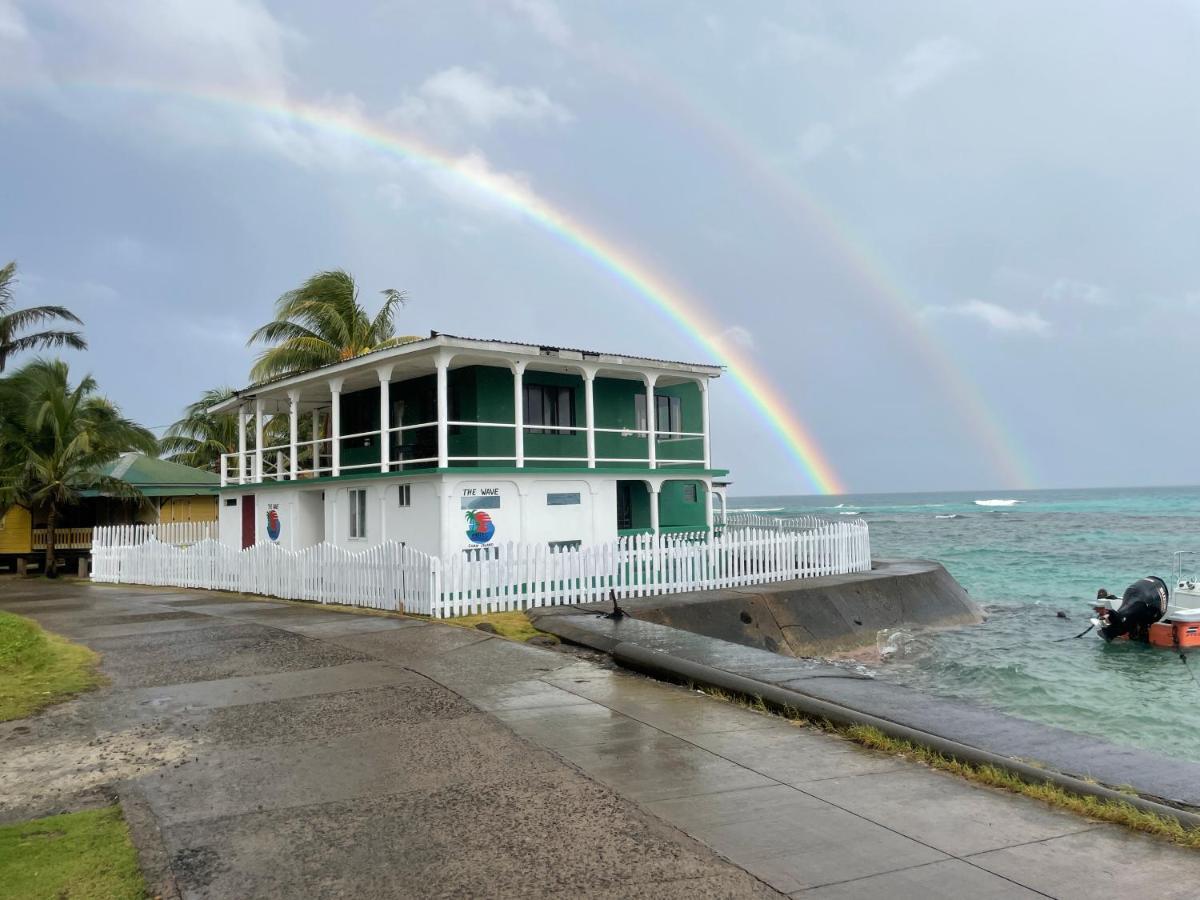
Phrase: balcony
(466, 415)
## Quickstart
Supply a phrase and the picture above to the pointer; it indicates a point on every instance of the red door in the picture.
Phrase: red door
(247, 521)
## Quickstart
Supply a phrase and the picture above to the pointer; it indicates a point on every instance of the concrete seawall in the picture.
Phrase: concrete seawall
(818, 616)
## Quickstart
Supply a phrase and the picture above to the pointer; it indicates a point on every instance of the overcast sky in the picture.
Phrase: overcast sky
(961, 238)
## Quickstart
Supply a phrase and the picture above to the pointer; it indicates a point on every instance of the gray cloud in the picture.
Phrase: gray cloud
(929, 62)
(995, 317)
(457, 96)
(805, 175)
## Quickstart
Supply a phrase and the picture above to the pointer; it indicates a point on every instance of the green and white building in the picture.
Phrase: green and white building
(447, 444)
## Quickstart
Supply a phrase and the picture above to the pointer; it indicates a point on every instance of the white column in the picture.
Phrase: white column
(589, 407)
(651, 439)
(241, 457)
(443, 411)
(654, 492)
(385, 415)
(704, 424)
(335, 423)
(316, 445)
(258, 439)
(294, 434)
(519, 413)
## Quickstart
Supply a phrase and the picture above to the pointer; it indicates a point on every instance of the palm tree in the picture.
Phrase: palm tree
(201, 436)
(321, 322)
(15, 321)
(55, 439)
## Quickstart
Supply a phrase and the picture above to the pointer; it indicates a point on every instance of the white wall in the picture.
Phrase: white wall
(299, 511)
(417, 525)
(436, 521)
(229, 520)
(524, 514)
(306, 519)
(545, 523)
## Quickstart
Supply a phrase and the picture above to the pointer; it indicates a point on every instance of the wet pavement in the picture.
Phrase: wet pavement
(1083, 756)
(321, 754)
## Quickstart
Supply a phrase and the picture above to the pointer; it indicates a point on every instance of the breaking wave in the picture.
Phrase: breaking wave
(997, 502)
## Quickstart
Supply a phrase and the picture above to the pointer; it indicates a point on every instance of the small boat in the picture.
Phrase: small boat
(1175, 625)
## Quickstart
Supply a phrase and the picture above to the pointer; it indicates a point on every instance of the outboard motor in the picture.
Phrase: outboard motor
(1144, 603)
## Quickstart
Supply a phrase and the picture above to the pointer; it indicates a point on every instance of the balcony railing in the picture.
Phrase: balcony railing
(315, 458)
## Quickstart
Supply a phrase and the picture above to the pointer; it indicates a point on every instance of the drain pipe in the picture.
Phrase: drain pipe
(672, 668)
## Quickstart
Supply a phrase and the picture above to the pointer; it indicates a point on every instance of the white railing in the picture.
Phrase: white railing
(238, 468)
(735, 519)
(502, 578)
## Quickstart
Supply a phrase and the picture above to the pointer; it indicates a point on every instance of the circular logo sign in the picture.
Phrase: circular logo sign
(480, 526)
(273, 524)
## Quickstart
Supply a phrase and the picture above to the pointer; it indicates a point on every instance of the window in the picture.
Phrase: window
(551, 406)
(562, 499)
(668, 414)
(689, 493)
(565, 545)
(491, 501)
(231, 501)
(358, 513)
(406, 495)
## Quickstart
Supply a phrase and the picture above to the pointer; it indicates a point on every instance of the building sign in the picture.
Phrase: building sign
(478, 505)
(274, 523)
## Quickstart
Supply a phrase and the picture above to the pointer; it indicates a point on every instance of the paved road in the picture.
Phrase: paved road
(287, 751)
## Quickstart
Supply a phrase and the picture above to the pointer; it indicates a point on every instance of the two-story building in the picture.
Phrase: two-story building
(449, 443)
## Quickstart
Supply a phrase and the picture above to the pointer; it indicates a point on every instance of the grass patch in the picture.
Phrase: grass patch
(38, 668)
(512, 625)
(1115, 811)
(81, 856)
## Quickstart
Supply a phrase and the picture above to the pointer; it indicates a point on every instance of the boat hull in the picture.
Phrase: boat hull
(1175, 635)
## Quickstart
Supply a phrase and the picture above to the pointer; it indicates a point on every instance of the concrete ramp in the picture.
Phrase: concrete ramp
(818, 616)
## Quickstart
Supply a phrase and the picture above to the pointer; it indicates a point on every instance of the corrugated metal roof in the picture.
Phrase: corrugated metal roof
(158, 477)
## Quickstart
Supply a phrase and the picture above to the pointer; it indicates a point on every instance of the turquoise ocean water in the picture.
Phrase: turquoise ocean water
(1025, 562)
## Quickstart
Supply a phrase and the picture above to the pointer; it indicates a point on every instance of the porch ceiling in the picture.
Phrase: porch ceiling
(419, 358)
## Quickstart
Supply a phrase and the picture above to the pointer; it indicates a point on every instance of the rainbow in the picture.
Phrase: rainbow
(654, 288)
(904, 310)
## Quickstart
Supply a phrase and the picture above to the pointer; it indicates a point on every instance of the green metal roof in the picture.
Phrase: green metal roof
(158, 477)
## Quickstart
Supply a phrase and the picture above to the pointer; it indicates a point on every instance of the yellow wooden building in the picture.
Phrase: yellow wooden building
(172, 492)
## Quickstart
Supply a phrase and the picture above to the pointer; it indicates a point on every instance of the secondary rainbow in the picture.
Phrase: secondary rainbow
(905, 311)
(653, 287)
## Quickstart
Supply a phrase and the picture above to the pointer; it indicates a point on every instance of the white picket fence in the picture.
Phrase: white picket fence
(178, 533)
(735, 519)
(496, 579)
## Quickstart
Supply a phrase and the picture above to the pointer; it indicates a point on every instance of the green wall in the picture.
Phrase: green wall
(615, 408)
(558, 443)
(482, 394)
(485, 393)
(676, 512)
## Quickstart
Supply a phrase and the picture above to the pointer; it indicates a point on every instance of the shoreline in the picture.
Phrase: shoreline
(1091, 765)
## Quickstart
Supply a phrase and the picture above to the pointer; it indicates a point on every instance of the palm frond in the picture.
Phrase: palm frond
(35, 315)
